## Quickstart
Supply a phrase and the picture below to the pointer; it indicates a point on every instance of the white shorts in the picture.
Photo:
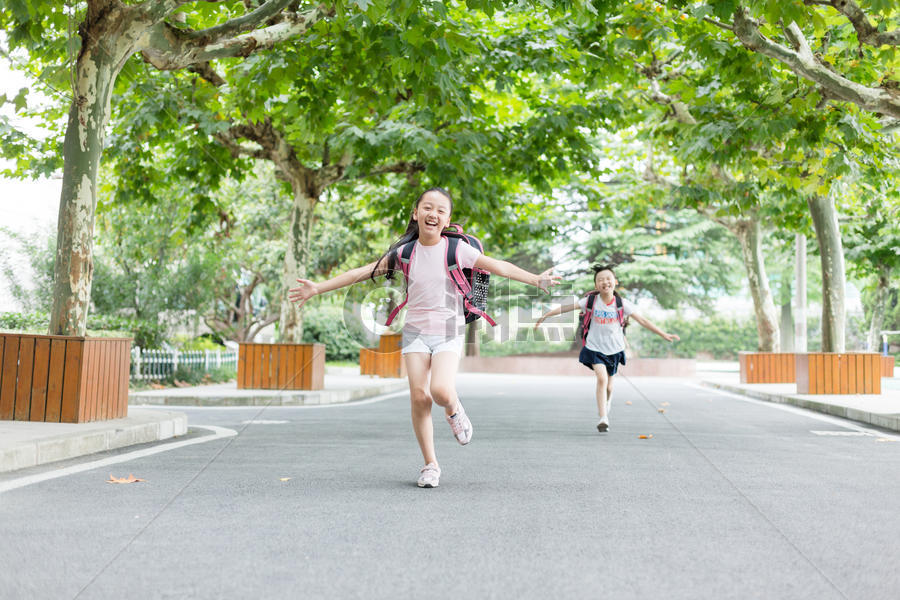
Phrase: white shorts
(431, 344)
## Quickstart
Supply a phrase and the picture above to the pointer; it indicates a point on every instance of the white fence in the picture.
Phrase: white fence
(159, 364)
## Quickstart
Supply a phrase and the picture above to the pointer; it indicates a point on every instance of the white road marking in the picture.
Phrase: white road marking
(263, 422)
(798, 411)
(219, 433)
(840, 433)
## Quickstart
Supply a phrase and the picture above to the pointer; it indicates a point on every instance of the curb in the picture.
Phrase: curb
(885, 421)
(311, 398)
(152, 426)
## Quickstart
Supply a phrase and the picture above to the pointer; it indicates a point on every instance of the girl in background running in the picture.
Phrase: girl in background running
(604, 340)
(434, 330)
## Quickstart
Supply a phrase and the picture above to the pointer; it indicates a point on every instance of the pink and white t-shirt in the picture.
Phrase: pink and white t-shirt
(434, 305)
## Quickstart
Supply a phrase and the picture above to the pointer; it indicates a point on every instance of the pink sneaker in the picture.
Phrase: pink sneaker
(429, 476)
(461, 425)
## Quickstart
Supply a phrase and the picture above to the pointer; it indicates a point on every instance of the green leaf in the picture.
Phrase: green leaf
(20, 101)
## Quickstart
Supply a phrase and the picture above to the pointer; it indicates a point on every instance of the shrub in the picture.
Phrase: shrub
(326, 325)
(145, 333)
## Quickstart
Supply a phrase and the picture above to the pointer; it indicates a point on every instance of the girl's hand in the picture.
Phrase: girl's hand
(538, 322)
(670, 336)
(301, 294)
(547, 279)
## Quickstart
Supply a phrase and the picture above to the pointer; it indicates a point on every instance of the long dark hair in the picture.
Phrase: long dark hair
(411, 234)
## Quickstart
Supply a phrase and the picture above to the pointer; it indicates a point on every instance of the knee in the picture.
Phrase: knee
(420, 398)
(443, 395)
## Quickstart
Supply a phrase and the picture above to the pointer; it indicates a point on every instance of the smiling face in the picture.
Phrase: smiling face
(605, 282)
(432, 214)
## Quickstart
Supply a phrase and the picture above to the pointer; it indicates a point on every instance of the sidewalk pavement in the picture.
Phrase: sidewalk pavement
(881, 410)
(26, 444)
(343, 384)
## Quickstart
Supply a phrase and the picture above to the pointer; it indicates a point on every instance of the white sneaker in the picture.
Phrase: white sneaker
(461, 425)
(429, 476)
(603, 425)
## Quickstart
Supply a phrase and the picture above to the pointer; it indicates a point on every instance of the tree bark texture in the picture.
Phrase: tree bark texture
(108, 39)
(876, 323)
(473, 330)
(831, 253)
(748, 233)
(296, 262)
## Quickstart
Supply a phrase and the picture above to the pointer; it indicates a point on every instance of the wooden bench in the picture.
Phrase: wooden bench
(832, 373)
(767, 367)
(281, 366)
(887, 366)
(385, 360)
(63, 379)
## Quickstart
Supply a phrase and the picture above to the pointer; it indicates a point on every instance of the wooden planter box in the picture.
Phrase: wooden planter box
(887, 366)
(767, 367)
(281, 366)
(830, 373)
(62, 379)
(385, 360)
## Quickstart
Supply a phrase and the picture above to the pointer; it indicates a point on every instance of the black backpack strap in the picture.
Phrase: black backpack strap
(588, 313)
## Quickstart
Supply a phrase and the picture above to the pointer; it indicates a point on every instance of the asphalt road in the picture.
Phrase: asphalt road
(730, 498)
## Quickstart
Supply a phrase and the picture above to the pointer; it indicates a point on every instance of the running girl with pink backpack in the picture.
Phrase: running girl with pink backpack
(604, 318)
(440, 298)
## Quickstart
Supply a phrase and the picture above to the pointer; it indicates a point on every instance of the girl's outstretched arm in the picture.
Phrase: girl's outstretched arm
(308, 289)
(649, 325)
(544, 280)
(562, 308)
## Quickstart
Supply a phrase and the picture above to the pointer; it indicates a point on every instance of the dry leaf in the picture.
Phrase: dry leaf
(130, 479)
(664, 404)
(157, 386)
(628, 402)
(645, 437)
(661, 410)
(285, 479)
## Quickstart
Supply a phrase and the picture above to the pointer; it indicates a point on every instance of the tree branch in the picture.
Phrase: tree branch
(168, 48)
(802, 61)
(408, 168)
(866, 33)
(240, 24)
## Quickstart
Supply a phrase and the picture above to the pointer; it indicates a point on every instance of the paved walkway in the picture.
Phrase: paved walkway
(25, 445)
(881, 410)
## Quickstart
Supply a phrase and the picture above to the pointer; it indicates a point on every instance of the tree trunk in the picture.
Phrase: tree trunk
(472, 337)
(104, 50)
(296, 262)
(876, 324)
(748, 233)
(831, 252)
(800, 343)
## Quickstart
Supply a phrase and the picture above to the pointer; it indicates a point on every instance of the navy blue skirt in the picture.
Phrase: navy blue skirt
(589, 358)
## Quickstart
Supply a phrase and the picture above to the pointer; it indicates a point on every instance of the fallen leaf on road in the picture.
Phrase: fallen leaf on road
(628, 402)
(645, 437)
(661, 410)
(130, 479)
(285, 479)
(664, 404)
